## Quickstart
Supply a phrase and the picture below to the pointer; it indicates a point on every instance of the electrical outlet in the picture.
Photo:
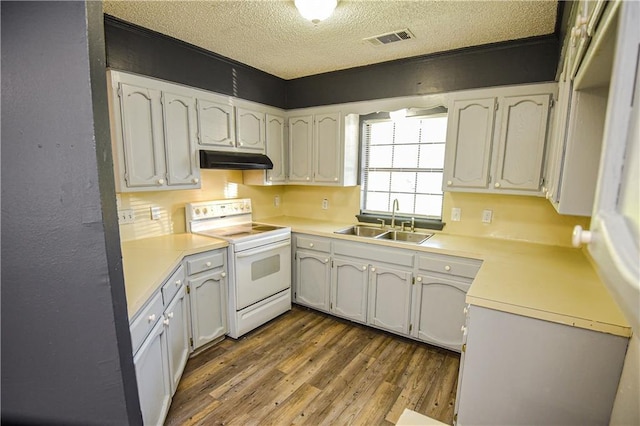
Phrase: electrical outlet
(126, 216)
(325, 204)
(486, 216)
(155, 213)
(276, 201)
(455, 214)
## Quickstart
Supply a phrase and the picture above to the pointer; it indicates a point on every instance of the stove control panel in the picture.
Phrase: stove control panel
(217, 209)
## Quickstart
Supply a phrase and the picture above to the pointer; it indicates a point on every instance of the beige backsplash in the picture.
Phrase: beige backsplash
(514, 217)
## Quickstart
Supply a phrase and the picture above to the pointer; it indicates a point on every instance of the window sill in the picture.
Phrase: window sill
(419, 222)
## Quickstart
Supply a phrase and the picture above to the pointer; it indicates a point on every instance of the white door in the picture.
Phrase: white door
(439, 311)
(152, 374)
(176, 319)
(300, 148)
(349, 283)
(275, 146)
(142, 136)
(313, 275)
(208, 307)
(180, 139)
(216, 124)
(468, 148)
(250, 130)
(523, 133)
(389, 298)
(327, 148)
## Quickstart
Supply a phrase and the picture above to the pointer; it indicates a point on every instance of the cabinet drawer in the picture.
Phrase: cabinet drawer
(145, 320)
(450, 265)
(311, 243)
(205, 262)
(173, 284)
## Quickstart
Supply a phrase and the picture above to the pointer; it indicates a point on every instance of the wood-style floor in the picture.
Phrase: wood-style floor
(306, 367)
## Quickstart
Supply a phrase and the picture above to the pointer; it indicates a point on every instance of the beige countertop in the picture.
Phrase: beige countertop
(556, 284)
(150, 261)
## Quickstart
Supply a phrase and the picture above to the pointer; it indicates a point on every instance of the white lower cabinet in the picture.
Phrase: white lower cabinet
(176, 320)
(349, 284)
(313, 274)
(152, 374)
(389, 298)
(208, 307)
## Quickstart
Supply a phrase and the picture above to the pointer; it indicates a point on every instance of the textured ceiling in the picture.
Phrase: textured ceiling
(270, 35)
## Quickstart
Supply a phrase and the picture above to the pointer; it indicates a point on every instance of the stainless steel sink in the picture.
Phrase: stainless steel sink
(404, 236)
(361, 231)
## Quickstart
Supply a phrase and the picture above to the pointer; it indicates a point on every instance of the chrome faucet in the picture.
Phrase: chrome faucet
(394, 209)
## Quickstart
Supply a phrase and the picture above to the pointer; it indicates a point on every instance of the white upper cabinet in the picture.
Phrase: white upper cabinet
(496, 144)
(276, 148)
(180, 133)
(250, 129)
(153, 128)
(216, 124)
(323, 149)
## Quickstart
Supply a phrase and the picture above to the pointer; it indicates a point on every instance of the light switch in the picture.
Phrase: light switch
(155, 213)
(455, 214)
(487, 215)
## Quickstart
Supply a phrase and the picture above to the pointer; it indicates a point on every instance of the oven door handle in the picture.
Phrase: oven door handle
(262, 249)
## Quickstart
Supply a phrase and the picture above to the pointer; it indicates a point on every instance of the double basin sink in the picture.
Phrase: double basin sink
(384, 234)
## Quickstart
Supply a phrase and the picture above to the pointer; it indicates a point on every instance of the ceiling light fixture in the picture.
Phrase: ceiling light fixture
(316, 10)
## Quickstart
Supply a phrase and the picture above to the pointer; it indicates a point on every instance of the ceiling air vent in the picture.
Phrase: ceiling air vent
(391, 37)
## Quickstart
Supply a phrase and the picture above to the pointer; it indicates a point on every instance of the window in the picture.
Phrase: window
(404, 160)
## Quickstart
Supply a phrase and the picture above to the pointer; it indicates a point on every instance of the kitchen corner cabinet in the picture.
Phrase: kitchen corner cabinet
(497, 144)
(207, 283)
(323, 149)
(154, 135)
(536, 372)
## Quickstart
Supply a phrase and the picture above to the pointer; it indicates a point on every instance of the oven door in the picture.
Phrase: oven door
(262, 272)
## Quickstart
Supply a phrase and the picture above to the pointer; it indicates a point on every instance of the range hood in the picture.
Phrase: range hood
(234, 161)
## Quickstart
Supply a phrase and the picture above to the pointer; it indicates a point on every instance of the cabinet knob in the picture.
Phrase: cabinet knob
(165, 321)
(208, 264)
(497, 185)
(195, 180)
(326, 260)
(160, 181)
(308, 178)
(373, 269)
(310, 244)
(223, 274)
(463, 329)
(419, 279)
(170, 315)
(449, 183)
(447, 268)
(580, 236)
(230, 142)
(335, 179)
(239, 143)
(270, 177)
(466, 310)
(364, 268)
(178, 283)
(152, 317)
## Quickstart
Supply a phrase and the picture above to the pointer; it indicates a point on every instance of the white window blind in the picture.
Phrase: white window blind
(404, 160)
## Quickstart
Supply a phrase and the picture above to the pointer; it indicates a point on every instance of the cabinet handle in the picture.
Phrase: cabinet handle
(223, 274)
(419, 279)
(580, 236)
(165, 321)
(195, 180)
(373, 269)
(310, 244)
(447, 268)
(497, 185)
(152, 317)
(449, 183)
(160, 181)
(208, 264)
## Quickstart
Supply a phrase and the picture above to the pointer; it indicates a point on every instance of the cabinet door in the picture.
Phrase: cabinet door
(300, 148)
(208, 307)
(216, 124)
(275, 142)
(313, 275)
(522, 140)
(327, 148)
(152, 374)
(142, 136)
(349, 283)
(176, 320)
(468, 149)
(250, 129)
(180, 139)
(389, 298)
(439, 311)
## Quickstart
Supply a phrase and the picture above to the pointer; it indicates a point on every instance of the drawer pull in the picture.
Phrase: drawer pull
(310, 244)
(419, 279)
(447, 268)
(208, 264)
(152, 317)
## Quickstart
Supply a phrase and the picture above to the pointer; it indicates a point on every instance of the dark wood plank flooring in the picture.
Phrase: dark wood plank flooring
(309, 368)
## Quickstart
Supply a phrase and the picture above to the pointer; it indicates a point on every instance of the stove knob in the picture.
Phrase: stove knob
(197, 211)
(205, 210)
